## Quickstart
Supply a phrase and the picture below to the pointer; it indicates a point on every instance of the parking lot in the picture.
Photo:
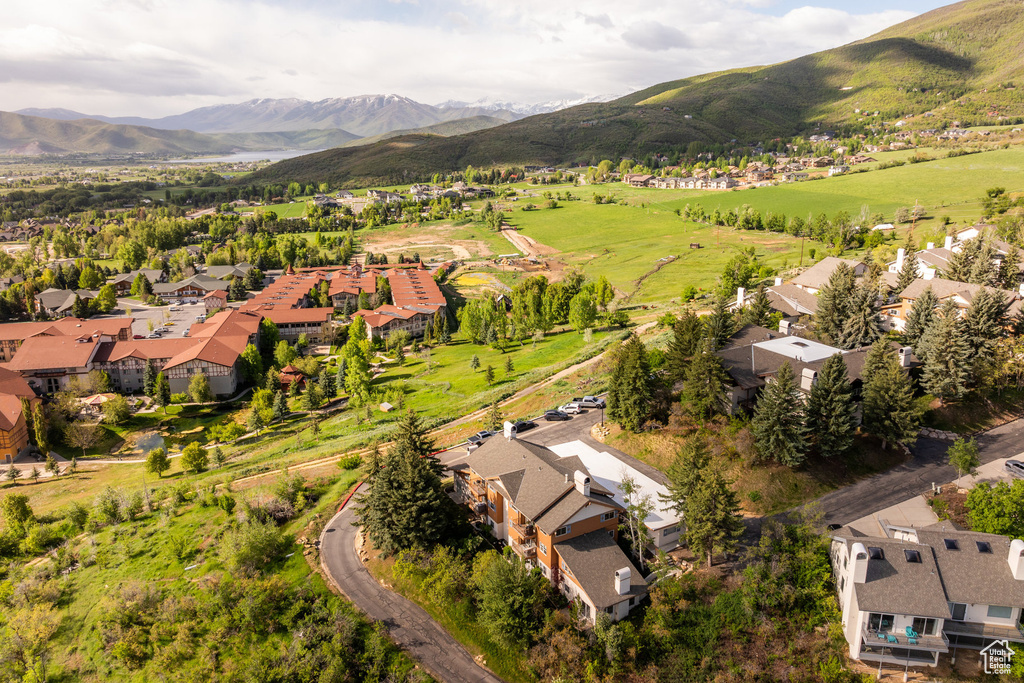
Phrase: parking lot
(175, 323)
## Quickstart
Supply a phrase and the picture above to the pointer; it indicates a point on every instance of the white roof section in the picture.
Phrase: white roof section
(803, 350)
(608, 471)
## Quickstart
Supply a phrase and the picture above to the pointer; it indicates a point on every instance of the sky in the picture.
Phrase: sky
(161, 57)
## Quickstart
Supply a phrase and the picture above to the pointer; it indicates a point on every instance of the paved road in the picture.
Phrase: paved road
(915, 476)
(409, 626)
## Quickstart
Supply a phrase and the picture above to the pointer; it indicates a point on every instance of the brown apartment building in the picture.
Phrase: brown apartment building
(555, 517)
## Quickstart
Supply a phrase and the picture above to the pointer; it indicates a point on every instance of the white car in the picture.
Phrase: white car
(571, 408)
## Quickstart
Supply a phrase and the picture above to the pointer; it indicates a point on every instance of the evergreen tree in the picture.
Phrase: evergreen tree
(831, 418)
(778, 424)
(326, 382)
(509, 366)
(962, 261)
(280, 406)
(404, 506)
(339, 377)
(888, 403)
(861, 326)
(922, 315)
(1009, 270)
(985, 322)
(687, 468)
(495, 419)
(713, 520)
(629, 392)
(874, 361)
(446, 335)
(162, 392)
(149, 378)
(983, 270)
(474, 363)
(489, 375)
(236, 290)
(946, 355)
(686, 336)
(720, 324)
(908, 273)
(704, 387)
(436, 327)
(834, 303)
(759, 311)
(39, 422)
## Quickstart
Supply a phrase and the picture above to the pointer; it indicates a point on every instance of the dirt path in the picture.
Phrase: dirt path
(527, 245)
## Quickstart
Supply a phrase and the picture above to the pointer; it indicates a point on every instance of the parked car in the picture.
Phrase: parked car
(480, 437)
(589, 402)
(138, 336)
(1015, 468)
(571, 408)
(174, 308)
(153, 335)
(556, 416)
(522, 426)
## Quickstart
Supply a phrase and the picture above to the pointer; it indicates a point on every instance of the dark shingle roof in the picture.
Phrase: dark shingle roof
(593, 560)
(970, 576)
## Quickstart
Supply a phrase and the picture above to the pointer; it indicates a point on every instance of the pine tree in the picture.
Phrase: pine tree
(436, 326)
(888, 403)
(41, 429)
(404, 505)
(686, 335)
(983, 270)
(861, 325)
(946, 355)
(339, 377)
(149, 378)
(236, 290)
(495, 418)
(687, 468)
(834, 303)
(1009, 270)
(713, 521)
(831, 411)
(162, 392)
(759, 311)
(720, 324)
(474, 363)
(962, 261)
(509, 366)
(908, 273)
(874, 360)
(489, 375)
(778, 424)
(922, 315)
(326, 382)
(629, 392)
(704, 387)
(446, 335)
(280, 406)
(985, 322)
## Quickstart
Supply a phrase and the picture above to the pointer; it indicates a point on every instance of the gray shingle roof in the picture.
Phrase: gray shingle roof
(896, 586)
(817, 275)
(970, 576)
(593, 559)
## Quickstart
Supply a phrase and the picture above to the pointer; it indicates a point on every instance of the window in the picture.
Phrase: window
(876, 554)
(490, 504)
(842, 584)
(543, 549)
(880, 622)
(984, 547)
(926, 627)
(951, 544)
(912, 556)
(609, 515)
(562, 531)
(668, 531)
(999, 612)
(958, 610)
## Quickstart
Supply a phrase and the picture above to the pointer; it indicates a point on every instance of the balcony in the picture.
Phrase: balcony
(477, 488)
(975, 630)
(525, 530)
(526, 550)
(939, 643)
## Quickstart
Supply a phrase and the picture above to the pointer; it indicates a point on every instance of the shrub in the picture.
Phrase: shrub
(179, 398)
(253, 545)
(194, 458)
(350, 463)
(107, 506)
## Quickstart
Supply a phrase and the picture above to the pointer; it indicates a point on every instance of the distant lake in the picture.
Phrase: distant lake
(242, 157)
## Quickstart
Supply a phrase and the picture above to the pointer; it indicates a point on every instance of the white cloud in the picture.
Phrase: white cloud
(155, 57)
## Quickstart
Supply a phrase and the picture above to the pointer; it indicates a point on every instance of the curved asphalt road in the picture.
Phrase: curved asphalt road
(414, 630)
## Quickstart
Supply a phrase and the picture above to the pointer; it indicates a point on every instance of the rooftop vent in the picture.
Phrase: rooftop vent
(876, 554)
(951, 544)
(984, 547)
(912, 556)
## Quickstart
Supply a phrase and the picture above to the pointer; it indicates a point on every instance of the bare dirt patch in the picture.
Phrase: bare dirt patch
(527, 245)
(436, 239)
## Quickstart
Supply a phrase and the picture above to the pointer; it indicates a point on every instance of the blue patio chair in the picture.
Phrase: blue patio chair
(881, 636)
(912, 640)
(893, 639)
(911, 633)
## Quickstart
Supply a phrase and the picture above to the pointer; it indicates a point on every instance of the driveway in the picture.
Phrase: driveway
(414, 630)
(916, 476)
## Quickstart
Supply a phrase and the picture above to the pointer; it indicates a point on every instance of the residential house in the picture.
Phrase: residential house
(228, 272)
(894, 315)
(817, 276)
(57, 303)
(838, 169)
(916, 594)
(195, 287)
(123, 282)
(637, 179)
(555, 517)
(384, 196)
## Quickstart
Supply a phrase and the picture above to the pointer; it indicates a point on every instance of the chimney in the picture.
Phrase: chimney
(900, 255)
(929, 274)
(783, 327)
(931, 245)
(905, 352)
(582, 483)
(949, 242)
(860, 563)
(807, 379)
(1020, 290)
(622, 581)
(1016, 559)
(778, 281)
(740, 296)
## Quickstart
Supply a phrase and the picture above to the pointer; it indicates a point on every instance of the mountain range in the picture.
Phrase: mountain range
(257, 124)
(959, 62)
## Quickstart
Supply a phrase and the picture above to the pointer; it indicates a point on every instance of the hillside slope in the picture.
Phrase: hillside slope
(958, 61)
(30, 135)
(445, 129)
